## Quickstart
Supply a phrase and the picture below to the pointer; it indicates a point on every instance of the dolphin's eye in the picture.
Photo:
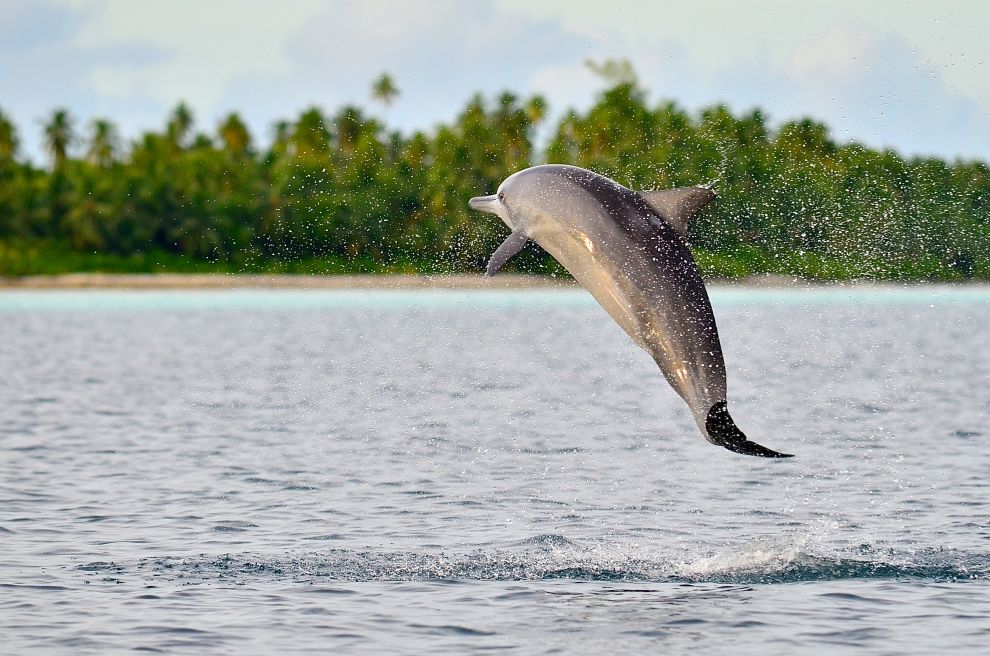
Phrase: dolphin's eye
(501, 195)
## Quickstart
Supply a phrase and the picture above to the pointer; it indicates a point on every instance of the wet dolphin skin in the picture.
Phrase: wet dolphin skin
(629, 249)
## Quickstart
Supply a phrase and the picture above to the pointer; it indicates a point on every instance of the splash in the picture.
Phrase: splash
(549, 557)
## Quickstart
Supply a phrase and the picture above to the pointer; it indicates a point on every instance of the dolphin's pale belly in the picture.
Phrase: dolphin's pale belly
(628, 249)
(653, 306)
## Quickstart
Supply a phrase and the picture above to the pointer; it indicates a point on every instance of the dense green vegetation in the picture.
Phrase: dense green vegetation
(343, 193)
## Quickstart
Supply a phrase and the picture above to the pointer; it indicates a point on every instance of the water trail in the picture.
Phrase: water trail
(556, 557)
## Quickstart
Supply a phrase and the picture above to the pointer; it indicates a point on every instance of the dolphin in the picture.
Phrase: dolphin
(629, 249)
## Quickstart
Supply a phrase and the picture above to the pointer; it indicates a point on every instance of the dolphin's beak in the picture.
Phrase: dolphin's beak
(484, 203)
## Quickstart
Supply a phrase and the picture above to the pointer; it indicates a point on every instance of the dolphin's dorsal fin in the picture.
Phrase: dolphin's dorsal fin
(678, 206)
(512, 245)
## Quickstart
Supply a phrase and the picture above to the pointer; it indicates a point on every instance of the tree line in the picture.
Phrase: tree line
(342, 192)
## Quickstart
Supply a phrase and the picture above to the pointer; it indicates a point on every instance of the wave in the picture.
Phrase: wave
(548, 557)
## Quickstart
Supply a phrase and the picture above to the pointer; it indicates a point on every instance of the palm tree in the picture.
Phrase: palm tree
(282, 141)
(311, 136)
(536, 109)
(349, 123)
(384, 90)
(234, 135)
(616, 72)
(103, 143)
(59, 136)
(180, 124)
(8, 138)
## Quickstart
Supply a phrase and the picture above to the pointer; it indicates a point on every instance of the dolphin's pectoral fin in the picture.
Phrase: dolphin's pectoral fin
(722, 431)
(512, 245)
(678, 206)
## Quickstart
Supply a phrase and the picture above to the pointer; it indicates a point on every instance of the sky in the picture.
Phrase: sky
(911, 76)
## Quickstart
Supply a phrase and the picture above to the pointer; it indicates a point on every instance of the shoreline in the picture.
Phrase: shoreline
(220, 281)
(141, 281)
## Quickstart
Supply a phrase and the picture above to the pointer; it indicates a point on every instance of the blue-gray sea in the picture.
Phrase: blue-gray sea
(407, 472)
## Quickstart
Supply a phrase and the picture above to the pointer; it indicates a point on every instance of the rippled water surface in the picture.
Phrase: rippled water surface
(445, 472)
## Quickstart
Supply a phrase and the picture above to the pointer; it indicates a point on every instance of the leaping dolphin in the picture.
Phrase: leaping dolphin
(629, 249)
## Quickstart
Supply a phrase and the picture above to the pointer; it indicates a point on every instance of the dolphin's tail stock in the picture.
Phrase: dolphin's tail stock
(722, 431)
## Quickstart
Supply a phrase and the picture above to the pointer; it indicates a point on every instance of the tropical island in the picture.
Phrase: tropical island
(342, 193)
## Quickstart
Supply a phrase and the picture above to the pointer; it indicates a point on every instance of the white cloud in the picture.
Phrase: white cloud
(914, 78)
(841, 53)
(204, 46)
(878, 88)
(439, 53)
(563, 83)
(911, 76)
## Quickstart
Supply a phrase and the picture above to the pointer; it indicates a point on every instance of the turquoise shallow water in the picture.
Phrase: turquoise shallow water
(456, 471)
(264, 299)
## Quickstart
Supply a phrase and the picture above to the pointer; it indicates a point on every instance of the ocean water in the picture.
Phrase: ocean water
(239, 472)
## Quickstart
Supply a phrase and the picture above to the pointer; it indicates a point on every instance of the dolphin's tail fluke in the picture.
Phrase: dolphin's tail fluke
(722, 431)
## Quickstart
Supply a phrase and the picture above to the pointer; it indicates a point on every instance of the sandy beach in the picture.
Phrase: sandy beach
(151, 281)
(264, 281)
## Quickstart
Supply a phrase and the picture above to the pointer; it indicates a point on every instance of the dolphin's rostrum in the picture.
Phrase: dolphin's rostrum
(629, 249)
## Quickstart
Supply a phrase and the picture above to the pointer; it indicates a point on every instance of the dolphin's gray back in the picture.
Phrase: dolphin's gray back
(637, 266)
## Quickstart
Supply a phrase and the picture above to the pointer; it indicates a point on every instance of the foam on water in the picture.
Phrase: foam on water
(556, 557)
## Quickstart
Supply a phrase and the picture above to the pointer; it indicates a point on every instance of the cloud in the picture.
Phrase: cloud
(202, 46)
(41, 71)
(914, 79)
(879, 89)
(439, 53)
(886, 79)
